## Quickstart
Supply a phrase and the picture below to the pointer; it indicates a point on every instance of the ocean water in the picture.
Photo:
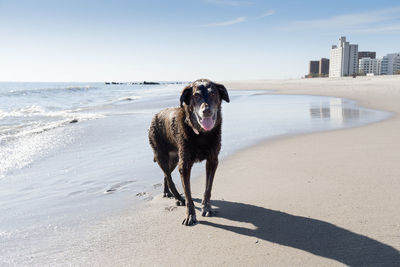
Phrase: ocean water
(74, 153)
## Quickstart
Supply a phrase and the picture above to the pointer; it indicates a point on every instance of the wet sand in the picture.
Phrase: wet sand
(327, 198)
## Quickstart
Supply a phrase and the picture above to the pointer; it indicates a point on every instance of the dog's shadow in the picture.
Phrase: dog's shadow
(314, 236)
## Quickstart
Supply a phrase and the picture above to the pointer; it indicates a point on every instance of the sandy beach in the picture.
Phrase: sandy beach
(321, 199)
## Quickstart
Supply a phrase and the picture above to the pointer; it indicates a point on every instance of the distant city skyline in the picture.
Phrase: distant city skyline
(346, 60)
(159, 40)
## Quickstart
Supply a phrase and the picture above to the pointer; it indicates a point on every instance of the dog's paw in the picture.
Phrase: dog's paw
(207, 211)
(167, 194)
(180, 202)
(190, 220)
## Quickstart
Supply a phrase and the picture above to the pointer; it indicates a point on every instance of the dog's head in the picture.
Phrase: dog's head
(203, 103)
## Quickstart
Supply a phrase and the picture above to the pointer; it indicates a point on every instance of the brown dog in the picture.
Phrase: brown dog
(188, 134)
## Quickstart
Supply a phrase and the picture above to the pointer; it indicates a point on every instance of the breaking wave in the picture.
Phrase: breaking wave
(47, 90)
(32, 132)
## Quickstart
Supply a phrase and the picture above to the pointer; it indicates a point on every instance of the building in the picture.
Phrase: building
(368, 65)
(344, 59)
(391, 64)
(363, 54)
(313, 67)
(318, 68)
(396, 65)
(323, 67)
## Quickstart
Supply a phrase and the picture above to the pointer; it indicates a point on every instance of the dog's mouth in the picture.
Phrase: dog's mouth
(207, 123)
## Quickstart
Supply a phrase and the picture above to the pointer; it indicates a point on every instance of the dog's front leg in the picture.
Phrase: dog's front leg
(211, 167)
(185, 167)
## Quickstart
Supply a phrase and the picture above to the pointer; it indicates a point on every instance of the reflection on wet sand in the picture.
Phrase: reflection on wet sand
(336, 110)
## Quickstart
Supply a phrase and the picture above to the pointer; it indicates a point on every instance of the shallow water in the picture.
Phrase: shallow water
(94, 168)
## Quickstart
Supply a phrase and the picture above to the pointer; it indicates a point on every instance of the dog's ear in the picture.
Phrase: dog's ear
(223, 92)
(186, 94)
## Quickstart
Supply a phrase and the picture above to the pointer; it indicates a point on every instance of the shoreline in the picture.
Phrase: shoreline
(318, 205)
(312, 86)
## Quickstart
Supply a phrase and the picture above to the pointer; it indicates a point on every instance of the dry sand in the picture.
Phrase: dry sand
(327, 198)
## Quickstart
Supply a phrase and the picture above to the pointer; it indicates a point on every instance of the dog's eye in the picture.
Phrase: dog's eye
(212, 94)
(197, 96)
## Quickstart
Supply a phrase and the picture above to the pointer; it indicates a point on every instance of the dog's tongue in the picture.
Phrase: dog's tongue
(207, 123)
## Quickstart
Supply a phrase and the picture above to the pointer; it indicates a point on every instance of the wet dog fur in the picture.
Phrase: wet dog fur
(187, 134)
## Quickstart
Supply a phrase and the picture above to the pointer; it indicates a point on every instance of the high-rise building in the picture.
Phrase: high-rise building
(391, 64)
(370, 65)
(396, 65)
(370, 54)
(344, 59)
(313, 67)
(323, 67)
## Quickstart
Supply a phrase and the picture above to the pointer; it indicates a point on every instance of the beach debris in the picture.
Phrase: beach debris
(74, 121)
(111, 190)
(256, 241)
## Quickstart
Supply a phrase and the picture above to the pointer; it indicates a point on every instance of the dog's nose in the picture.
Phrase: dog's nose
(207, 111)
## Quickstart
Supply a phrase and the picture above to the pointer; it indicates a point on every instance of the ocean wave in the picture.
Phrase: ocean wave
(30, 129)
(27, 111)
(21, 144)
(22, 151)
(34, 119)
(79, 88)
(38, 111)
(74, 88)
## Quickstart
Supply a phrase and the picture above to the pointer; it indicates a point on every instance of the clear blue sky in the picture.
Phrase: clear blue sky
(57, 40)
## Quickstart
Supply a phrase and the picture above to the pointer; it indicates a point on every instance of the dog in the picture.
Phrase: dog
(187, 134)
